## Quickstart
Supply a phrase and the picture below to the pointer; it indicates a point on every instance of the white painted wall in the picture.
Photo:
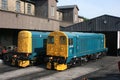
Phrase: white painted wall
(118, 39)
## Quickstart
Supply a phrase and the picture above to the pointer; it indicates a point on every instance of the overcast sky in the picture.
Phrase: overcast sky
(94, 8)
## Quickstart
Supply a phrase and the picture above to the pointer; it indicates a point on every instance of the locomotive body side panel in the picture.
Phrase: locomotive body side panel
(86, 44)
(39, 41)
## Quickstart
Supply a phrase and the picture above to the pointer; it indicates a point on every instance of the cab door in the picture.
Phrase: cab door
(71, 46)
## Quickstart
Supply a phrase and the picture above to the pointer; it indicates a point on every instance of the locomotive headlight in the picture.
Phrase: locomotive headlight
(50, 57)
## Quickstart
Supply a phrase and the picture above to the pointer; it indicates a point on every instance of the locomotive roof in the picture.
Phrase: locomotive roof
(71, 34)
(37, 33)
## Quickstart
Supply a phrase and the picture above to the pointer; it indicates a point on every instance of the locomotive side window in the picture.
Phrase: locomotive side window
(44, 43)
(62, 40)
(70, 41)
(50, 40)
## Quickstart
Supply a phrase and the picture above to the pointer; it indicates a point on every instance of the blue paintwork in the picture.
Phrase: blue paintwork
(84, 44)
(38, 44)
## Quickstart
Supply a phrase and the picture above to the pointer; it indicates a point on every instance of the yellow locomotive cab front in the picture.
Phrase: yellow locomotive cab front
(24, 47)
(57, 50)
(24, 42)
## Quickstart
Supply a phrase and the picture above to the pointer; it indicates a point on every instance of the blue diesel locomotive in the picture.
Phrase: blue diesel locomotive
(65, 49)
(31, 49)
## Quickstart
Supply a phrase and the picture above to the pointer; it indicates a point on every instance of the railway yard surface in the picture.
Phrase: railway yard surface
(102, 69)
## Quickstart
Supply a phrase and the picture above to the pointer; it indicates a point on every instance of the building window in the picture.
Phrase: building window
(52, 10)
(5, 4)
(18, 6)
(76, 17)
(29, 8)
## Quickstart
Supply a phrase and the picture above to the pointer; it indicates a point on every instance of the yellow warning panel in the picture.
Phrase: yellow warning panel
(22, 63)
(57, 44)
(60, 67)
(24, 42)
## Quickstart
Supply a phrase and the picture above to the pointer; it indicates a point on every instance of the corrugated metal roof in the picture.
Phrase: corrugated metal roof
(101, 23)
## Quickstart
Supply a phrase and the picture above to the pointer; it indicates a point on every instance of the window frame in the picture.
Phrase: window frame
(52, 11)
(4, 4)
(65, 40)
(18, 6)
(50, 40)
(29, 7)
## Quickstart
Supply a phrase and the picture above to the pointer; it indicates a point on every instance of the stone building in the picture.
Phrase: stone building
(37, 15)
(16, 15)
(68, 15)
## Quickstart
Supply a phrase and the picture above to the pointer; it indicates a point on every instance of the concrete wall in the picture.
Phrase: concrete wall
(59, 16)
(75, 15)
(80, 19)
(65, 24)
(19, 21)
(12, 7)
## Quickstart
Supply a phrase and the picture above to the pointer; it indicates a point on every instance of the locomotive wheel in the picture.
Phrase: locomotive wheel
(84, 61)
(68, 65)
(74, 62)
(93, 57)
(31, 63)
(104, 54)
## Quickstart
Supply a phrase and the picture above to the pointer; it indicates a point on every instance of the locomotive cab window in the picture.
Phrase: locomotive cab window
(50, 40)
(62, 40)
(70, 41)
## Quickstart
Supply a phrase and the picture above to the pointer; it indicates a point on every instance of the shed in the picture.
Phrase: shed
(107, 24)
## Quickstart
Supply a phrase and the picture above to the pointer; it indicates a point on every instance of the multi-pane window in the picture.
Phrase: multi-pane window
(5, 4)
(18, 6)
(29, 8)
(52, 11)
